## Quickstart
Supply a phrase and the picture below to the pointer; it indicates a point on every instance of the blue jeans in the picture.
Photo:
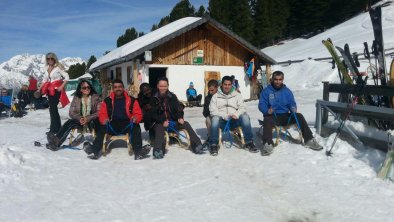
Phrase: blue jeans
(243, 121)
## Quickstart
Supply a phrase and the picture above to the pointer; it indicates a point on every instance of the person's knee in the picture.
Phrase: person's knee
(245, 120)
(300, 117)
(244, 117)
(215, 121)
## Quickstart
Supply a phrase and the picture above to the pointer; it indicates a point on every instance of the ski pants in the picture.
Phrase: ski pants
(54, 112)
(74, 124)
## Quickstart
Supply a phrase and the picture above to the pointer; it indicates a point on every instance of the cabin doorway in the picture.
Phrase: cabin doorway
(155, 74)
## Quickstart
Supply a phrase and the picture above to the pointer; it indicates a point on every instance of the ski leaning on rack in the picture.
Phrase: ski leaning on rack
(392, 80)
(387, 166)
(378, 46)
(347, 57)
(331, 49)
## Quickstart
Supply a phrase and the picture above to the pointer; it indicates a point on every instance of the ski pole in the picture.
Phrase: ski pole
(339, 129)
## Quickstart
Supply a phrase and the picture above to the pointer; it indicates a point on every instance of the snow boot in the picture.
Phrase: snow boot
(313, 144)
(251, 147)
(214, 150)
(144, 153)
(78, 140)
(267, 149)
(198, 149)
(158, 154)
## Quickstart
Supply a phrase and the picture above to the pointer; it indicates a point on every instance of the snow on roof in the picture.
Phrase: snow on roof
(144, 40)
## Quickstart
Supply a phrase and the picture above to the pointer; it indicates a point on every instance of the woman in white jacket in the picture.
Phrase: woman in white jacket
(53, 83)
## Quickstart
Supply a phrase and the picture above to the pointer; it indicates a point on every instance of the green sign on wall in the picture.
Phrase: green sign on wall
(198, 60)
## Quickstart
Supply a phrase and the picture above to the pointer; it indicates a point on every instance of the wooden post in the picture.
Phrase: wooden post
(268, 72)
(326, 97)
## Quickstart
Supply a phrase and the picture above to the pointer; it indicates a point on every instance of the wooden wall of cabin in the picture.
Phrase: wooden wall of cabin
(219, 49)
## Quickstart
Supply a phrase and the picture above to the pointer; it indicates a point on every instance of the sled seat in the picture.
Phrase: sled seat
(109, 139)
(282, 132)
(236, 134)
(182, 138)
(75, 132)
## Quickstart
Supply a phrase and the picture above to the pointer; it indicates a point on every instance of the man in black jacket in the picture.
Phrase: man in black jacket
(23, 97)
(167, 110)
(213, 86)
(144, 98)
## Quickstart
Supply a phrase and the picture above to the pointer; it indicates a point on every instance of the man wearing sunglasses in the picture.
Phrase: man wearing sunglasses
(278, 106)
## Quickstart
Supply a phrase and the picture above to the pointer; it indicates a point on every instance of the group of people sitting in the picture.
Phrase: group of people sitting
(159, 109)
(24, 97)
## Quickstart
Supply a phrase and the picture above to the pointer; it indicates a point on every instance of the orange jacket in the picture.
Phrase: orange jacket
(136, 113)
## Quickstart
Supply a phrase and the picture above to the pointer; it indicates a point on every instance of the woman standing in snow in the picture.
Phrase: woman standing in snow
(55, 78)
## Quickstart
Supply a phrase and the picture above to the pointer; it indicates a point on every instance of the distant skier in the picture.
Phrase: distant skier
(277, 104)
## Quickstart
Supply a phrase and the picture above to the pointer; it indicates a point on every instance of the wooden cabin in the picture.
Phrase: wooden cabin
(188, 50)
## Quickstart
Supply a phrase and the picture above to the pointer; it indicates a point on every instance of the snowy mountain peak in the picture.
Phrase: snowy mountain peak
(15, 71)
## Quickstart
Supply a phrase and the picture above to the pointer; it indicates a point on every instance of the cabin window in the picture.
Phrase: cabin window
(119, 73)
(112, 74)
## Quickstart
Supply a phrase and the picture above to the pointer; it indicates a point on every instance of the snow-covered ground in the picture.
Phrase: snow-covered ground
(293, 184)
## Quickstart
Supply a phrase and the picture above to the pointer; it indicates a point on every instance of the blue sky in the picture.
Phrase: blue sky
(75, 28)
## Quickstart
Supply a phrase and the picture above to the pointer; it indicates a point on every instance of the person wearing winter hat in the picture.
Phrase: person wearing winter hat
(192, 97)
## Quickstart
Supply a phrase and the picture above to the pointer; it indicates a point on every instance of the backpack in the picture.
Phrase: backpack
(108, 102)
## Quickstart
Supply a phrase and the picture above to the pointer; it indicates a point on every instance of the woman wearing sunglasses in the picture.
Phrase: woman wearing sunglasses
(83, 112)
(55, 78)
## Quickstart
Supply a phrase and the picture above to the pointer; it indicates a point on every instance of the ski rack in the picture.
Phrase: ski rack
(337, 108)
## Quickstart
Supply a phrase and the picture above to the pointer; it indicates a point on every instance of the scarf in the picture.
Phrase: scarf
(86, 106)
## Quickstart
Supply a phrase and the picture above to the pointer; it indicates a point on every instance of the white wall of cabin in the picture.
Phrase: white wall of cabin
(180, 76)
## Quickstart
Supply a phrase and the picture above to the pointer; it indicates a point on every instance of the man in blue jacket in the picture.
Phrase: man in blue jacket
(277, 105)
(5, 100)
(192, 97)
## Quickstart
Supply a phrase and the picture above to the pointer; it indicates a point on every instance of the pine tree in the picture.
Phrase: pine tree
(262, 23)
(76, 70)
(240, 19)
(164, 21)
(130, 35)
(181, 10)
(201, 11)
(91, 60)
(154, 27)
(219, 10)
